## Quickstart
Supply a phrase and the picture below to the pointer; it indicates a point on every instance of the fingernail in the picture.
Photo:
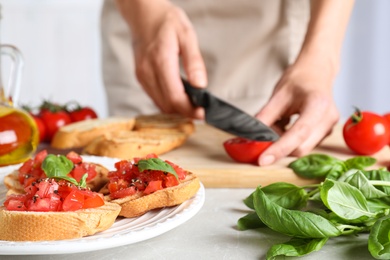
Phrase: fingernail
(198, 78)
(267, 160)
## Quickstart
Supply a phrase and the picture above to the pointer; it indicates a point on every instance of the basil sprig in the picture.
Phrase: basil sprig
(349, 200)
(58, 167)
(156, 164)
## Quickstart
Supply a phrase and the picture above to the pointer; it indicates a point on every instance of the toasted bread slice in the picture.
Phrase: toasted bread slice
(138, 204)
(130, 144)
(165, 122)
(79, 134)
(13, 185)
(39, 226)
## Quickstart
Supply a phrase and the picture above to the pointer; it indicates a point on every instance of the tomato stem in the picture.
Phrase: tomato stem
(357, 116)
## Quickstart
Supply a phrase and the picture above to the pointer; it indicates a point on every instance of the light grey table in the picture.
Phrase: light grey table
(212, 234)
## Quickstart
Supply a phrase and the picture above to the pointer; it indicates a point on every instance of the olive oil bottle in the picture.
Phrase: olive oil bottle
(19, 135)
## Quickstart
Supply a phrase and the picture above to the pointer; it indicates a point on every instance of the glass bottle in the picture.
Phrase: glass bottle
(19, 136)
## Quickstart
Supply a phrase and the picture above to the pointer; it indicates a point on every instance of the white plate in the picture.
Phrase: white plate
(125, 231)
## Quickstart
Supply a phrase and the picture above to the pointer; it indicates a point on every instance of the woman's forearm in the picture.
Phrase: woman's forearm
(326, 29)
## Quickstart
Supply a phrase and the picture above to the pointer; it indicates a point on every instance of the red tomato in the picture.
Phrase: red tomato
(82, 113)
(366, 133)
(245, 150)
(41, 128)
(54, 120)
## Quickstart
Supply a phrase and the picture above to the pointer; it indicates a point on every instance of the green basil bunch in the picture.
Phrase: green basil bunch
(349, 200)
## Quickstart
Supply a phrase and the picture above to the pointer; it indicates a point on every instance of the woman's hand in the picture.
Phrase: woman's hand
(306, 86)
(305, 89)
(162, 34)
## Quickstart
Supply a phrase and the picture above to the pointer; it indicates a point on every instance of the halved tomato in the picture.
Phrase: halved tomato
(245, 150)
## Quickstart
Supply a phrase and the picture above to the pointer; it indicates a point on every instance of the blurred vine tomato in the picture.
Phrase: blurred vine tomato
(41, 127)
(245, 150)
(79, 113)
(366, 133)
(54, 116)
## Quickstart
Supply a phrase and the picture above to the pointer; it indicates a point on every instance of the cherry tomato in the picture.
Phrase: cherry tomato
(244, 150)
(366, 133)
(82, 113)
(54, 120)
(41, 127)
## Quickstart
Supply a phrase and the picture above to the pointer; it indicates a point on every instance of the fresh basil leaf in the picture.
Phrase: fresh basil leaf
(250, 221)
(286, 195)
(337, 171)
(360, 181)
(83, 181)
(345, 201)
(58, 167)
(379, 175)
(156, 164)
(292, 222)
(248, 201)
(359, 162)
(379, 204)
(379, 239)
(313, 165)
(296, 247)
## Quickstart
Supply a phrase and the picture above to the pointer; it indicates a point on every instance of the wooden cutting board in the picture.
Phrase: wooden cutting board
(204, 155)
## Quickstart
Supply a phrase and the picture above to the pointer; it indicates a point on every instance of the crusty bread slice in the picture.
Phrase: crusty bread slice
(139, 204)
(79, 134)
(11, 181)
(165, 122)
(130, 144)
(39, 226)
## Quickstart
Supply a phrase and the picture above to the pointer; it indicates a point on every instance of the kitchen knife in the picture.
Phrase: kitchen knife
(228, 118)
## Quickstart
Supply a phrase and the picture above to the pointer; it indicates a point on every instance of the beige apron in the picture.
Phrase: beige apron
(246, 46)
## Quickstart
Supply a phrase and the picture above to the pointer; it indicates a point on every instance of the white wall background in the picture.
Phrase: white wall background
(61, 45)
(60, 42)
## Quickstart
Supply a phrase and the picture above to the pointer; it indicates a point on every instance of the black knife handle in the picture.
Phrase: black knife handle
(196, 95)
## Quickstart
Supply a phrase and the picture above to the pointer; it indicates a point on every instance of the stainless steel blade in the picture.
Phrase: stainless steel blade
(228, 118)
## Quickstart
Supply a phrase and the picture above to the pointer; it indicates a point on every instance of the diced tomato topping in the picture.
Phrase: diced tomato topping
(45, 188)
(123, 193)
(49, 195)
(39, 204)
(16, 205)
(128, 176)
(170, 181)
(73, 201)
(74, 157)
(179, 171)
(153, 186)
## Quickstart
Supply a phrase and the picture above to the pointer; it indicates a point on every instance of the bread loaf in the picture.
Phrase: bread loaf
(164, 123)
(130, 144)
(81, 133)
